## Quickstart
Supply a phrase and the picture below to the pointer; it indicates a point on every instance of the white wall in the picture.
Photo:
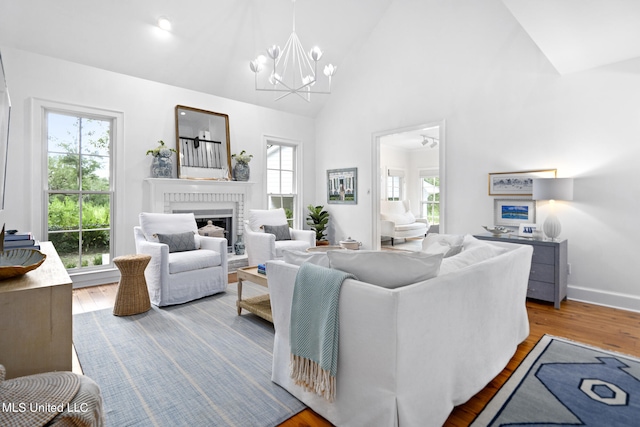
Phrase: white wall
(148, 109)
(506, 109)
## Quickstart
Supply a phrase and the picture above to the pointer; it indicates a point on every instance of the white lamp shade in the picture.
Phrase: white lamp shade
(552, 189)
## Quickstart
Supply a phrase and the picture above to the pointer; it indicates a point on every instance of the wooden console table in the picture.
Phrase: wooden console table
(549, 267)
(36, 320)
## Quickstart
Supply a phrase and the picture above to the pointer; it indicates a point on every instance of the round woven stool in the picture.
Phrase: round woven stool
(133, 296)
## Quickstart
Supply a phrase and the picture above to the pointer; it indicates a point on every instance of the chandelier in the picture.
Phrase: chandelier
(294, 70)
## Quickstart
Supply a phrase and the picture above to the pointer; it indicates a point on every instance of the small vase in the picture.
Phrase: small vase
(239, 246)
(161, 167)
(241, 171)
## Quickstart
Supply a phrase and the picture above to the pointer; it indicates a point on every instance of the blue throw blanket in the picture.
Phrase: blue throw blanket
(314, 328)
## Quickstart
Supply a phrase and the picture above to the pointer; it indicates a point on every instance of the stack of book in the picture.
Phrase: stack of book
(20, 240)
(262, 269)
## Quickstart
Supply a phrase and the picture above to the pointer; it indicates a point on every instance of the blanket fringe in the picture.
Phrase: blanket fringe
(309, 375)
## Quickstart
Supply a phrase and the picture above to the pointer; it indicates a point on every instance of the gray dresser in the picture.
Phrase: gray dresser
(549, 267)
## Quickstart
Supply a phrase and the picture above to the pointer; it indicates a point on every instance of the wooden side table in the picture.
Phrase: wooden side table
(133, 295)
(260, 305)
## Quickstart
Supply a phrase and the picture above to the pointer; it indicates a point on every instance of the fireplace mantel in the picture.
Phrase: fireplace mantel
(165, 195)
(161, 192)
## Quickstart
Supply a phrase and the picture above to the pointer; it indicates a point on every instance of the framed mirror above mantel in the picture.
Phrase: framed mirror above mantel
(203, 144)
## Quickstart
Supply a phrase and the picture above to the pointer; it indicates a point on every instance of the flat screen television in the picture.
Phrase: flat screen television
(5, 115)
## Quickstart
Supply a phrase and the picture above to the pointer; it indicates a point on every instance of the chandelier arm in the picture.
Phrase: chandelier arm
(287, 53)
(303, 60)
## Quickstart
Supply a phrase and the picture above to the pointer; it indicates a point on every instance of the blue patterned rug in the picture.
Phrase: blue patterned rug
(565, 383)
(195, 364)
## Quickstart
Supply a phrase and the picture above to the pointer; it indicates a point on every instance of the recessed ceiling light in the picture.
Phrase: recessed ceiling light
(164, 23)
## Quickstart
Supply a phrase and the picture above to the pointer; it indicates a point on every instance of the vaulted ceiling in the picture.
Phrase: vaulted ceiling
(212, 41)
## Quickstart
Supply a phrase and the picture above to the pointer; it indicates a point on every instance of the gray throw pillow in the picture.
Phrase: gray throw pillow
(179, 242)
(280, 231)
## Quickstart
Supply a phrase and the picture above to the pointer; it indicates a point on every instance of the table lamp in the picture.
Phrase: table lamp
(552, 189)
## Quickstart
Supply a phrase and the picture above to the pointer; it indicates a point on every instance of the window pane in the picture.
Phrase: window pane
(94, 243)
(287, 158)
(64, 171)
(68, 247)
(95, 173)
(273, 157)
(287, 183)
(64, 212)
(287, 204)
(63, 133)
(95, 136)
(275, 202)
(273, 181)
(79, 163)
(95, 211)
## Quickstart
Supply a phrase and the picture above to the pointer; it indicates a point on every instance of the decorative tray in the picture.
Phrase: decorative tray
(497, 230)
(15, 262)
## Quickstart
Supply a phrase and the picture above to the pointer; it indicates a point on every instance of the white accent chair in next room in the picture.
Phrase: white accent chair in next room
(184, 265)
(397, 221)
(267, 234)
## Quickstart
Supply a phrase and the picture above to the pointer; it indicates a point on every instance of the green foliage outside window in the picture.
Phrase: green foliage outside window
(79, 189)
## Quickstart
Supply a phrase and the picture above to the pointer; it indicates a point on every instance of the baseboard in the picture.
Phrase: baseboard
(604, 298)
(94, 278)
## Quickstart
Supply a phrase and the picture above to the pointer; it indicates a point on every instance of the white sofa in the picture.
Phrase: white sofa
(178, 277)
(408, 355)
(397, 220)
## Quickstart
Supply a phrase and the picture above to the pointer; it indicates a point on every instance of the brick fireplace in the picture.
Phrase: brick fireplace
(222, 202)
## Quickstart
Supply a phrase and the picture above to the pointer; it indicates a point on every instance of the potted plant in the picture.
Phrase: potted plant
(318, 220)
(161, 166)
(241, 170)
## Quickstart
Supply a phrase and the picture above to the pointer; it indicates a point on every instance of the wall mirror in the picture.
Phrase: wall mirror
(202, 140)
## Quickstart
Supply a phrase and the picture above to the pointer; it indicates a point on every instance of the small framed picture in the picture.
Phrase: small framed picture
(342, 186)
(513, 212)
(527, 230)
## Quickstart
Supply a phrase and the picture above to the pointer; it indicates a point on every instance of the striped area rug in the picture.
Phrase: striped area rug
(195, 364)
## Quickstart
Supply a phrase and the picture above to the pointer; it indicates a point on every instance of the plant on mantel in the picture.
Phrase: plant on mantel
(318, 220)
(161, 150)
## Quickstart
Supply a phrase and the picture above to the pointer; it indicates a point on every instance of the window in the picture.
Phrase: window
(395, 178)
(79, 188)
(430, 196)
(281, 178)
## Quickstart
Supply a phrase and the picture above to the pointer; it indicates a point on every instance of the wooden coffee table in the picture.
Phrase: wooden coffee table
(260, 305)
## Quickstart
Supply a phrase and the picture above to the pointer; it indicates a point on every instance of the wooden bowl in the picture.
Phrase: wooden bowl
(16, 262)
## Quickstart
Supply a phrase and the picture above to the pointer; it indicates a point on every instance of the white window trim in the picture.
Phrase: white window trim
(426, 173)
(299, 215)
(39, 166)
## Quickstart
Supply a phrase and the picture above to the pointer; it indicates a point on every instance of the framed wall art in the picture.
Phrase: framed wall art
(513, 212)
(527, 230)
(342, 186)
(516, 183)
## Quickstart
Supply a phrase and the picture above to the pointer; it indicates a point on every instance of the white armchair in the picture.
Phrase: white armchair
(181, 269)
(262, 246)
(397, 220)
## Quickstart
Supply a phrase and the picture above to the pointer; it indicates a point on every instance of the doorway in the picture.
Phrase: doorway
(409, 164)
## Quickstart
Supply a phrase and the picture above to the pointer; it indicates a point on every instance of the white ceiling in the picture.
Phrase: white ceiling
(209, 47)
(212, 41)
(577, 35)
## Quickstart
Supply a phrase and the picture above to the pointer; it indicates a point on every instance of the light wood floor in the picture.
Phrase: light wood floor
(607, 328)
